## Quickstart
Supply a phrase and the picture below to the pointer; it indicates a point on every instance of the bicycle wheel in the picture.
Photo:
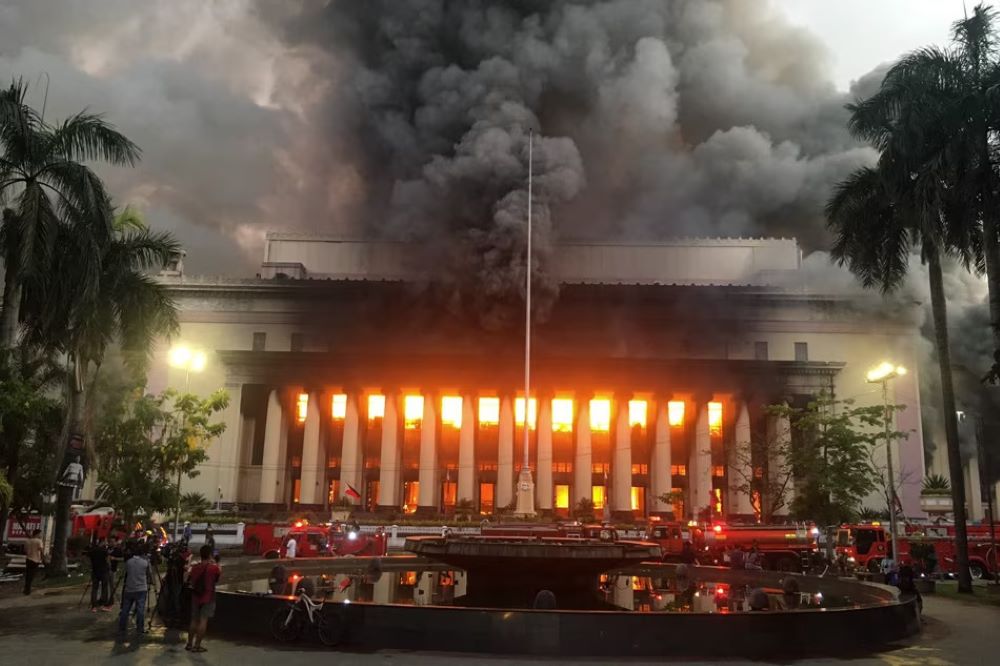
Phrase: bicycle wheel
(286, 624)
(330, 630)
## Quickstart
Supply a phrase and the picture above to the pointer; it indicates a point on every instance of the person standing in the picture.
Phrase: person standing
(291, 547)
(32, 558)
(187, 532)
(138, 576)
(210, 537)
(100, 574)
(203, 578)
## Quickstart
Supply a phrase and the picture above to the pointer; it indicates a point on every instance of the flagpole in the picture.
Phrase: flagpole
(525, 484)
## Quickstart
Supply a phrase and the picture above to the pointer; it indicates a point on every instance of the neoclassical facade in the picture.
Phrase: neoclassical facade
(650, 375)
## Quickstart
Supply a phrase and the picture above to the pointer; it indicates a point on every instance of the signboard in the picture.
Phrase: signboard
(15, 531)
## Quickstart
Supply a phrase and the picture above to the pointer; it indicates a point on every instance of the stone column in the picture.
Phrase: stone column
(543, 484)
(467, 450)
(505, 454)
(312, 455)
(428, 475)
(700, 469)
(621, 465)
(228, 455)
(272, 474)
(583, 460)
(740, 467)
(781, 441)
(388, 482)
(974, 489)
(659, 473)
(350, 460)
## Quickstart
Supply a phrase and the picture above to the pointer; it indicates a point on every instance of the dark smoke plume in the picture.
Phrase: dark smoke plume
(656, 119)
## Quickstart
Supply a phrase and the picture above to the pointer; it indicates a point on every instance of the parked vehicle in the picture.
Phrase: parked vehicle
(325, 540)
(792, 547)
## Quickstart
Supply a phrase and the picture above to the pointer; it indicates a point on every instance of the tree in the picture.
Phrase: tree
(43, 177)
(145, 441)
(80, 317)
(764, 467)
(834, 458)
(584, 510)
(195, 503)
(881, 214)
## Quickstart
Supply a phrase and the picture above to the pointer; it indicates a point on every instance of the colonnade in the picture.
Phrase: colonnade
(635, 446)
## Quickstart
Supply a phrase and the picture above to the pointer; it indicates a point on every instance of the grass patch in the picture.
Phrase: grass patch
(980, 595)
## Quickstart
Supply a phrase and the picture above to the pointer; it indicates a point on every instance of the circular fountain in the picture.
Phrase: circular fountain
(604, 598)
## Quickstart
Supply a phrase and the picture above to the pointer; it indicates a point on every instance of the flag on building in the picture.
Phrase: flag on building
(351, 492)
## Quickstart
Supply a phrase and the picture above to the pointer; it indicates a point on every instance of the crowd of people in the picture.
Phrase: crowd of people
(185, 588)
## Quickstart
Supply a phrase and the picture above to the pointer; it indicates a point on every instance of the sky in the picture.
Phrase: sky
(889, 28)
(239, 106)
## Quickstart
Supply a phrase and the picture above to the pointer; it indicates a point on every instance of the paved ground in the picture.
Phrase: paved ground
(50, 629)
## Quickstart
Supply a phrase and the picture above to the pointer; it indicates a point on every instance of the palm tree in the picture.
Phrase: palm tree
(80, 318)
(880, 215)
(43, 178)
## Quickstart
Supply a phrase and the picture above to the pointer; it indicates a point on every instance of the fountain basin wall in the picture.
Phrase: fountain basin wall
(880, 618)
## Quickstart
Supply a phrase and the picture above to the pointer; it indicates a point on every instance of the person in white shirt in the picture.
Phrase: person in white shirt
(290, 548)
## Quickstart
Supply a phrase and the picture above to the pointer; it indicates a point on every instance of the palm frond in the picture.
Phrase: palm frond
(88, 136)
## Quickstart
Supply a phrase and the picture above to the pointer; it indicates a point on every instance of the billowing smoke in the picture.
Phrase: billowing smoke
(654, 118)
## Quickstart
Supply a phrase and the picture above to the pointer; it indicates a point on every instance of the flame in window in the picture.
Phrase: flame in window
(376, 406)
(600, 415)
(675, 413)
(562, 415)
(302, 407)
(451, 411)
(413, 411)
(715, 418)
(489, 411)
(637, 413)
(338, 406)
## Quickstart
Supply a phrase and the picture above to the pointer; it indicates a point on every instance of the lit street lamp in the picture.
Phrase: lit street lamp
(189, 360)
(882, 374)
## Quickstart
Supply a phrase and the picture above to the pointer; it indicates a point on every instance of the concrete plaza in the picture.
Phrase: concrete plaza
(51, 629)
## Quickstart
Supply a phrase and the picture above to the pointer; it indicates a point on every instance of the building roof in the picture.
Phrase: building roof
(683, 261)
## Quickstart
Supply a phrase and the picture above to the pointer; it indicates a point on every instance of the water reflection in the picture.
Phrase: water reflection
(645, 594)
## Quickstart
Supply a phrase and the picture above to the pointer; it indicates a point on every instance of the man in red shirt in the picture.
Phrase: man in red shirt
(203, 578)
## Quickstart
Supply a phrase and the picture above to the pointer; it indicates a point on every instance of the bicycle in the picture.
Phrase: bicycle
(289, 622)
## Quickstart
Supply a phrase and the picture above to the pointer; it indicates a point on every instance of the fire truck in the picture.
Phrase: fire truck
(328, 540)
(670, 536)
(865, 546)
(783, 547)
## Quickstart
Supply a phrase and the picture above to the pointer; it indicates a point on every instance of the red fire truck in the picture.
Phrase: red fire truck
(782, 547)
(865, 546)
(671, 536)
(329, 540)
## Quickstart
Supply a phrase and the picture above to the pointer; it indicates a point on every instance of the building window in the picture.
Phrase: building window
(259, 341)
(486, 498)
(296, 343)
(487, 467)
(562, 497)
(678, 470)
(640, 469)
(598, 468)
(562, 467)
(760, 350)
(718, 470)
(801, 352)
(598, 495)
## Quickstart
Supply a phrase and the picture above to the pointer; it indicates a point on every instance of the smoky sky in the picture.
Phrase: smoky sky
(409, 119)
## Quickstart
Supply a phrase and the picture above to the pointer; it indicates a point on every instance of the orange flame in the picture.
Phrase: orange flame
(675, 413)
(600, 415)
(519, 412)
(715, 418)
(413, 411)
(562, 415)
(489, 411)
(376, 406)
(451, 411)
(302, 407)
(637, 413)
(338, 406)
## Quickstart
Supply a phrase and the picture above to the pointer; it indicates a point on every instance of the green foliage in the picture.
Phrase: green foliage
(935, 484)
(6, 490)
(465, 508)
(834, 461)
(866, 514)
(145, 441)
(584, 510)
(195, 504)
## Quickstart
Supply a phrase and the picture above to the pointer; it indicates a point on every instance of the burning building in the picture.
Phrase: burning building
(651, 370)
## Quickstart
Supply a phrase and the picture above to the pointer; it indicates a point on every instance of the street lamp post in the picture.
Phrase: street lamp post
(188, 360)
(883, 374)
